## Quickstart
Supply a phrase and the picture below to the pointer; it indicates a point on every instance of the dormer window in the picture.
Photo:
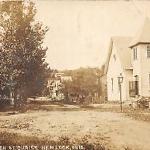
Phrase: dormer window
(135, 53)
(148, 51)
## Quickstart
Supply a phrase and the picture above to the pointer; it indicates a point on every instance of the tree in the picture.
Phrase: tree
(22, 55)
(84, 83)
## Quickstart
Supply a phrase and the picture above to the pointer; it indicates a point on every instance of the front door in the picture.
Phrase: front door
(134, 87)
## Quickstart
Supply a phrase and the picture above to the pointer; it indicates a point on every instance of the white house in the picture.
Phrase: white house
(55, 86)
(63, 77)
(66, 78)
(119, 63)
(129, 57)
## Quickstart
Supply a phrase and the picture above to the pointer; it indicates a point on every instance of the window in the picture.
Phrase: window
(112, 84)
(148, 51)
(135, 53)
(114, 56)
(149, 79)
(136, 78)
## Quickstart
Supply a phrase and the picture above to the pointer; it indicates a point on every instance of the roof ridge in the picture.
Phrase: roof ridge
(143, 34)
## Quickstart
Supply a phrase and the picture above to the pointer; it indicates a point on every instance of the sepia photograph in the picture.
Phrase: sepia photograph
(74, 74)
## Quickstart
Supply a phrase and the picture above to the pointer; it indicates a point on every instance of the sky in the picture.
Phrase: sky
(80, 31)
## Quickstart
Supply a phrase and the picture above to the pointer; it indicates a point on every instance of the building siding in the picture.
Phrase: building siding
(114, 70)
(141, 67)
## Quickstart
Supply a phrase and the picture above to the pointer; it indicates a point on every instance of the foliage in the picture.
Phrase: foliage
(22, 55)
(84, 83)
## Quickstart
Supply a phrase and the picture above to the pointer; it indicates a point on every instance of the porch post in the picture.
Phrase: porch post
(120, 97)
(120, 81)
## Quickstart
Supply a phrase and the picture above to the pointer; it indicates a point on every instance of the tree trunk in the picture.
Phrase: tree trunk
(15, 99)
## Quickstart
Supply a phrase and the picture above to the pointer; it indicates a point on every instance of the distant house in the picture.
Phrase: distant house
(59, 74)
(55, 89)
(55, 85)
(66, 78)
(130, 57)
(63, 77)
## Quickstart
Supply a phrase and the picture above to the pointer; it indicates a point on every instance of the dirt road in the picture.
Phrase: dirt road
(107, 127)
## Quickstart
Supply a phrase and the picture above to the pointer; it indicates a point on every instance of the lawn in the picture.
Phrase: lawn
(68, 125)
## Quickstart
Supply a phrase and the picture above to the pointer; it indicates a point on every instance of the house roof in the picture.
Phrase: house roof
(143, 35)
(124, 52)
(108, 58)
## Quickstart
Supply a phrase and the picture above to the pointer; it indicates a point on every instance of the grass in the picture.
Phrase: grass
(139, 114)
(9, 139)
(18, 139)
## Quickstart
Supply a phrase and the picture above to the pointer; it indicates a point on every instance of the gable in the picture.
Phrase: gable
(114, 66)
(123, 51)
